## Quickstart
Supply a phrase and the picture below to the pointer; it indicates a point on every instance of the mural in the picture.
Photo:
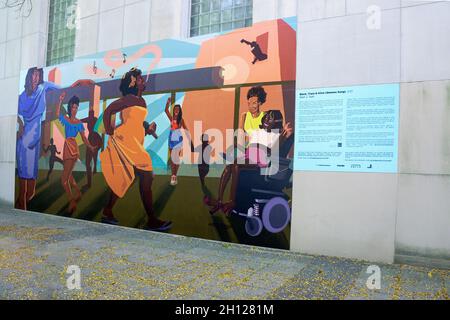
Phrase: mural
(191, 137)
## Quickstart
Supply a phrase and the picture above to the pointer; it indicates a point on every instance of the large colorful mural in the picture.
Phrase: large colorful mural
(191, 137)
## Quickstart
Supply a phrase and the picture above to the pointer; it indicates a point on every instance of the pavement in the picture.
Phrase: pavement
(121, 263)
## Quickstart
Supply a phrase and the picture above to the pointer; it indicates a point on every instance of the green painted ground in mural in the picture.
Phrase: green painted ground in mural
(182, 204)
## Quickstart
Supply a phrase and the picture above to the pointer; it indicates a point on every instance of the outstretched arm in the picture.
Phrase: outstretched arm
(169, 101)
(84, 82)
(246, 42)
(58, 106)
(86, 141)
(286, 133)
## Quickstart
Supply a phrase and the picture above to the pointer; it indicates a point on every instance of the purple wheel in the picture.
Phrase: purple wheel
(254, 226)
(276, 215)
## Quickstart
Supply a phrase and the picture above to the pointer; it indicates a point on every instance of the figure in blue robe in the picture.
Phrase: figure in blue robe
(32, 110)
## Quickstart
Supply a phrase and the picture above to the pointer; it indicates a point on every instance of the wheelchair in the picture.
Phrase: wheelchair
(260, 198)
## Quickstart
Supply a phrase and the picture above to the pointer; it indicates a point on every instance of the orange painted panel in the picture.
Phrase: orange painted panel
(215, 108)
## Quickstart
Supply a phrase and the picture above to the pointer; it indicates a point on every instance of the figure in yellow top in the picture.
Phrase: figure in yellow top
(252, 119)
(252, 123)
(125, 156)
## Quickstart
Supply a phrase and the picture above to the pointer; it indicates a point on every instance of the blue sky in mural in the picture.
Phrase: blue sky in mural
(291, 21)
(156, 113)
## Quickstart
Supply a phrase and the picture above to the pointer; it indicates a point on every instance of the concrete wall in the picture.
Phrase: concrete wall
(112, 24)
(366, 216)
(380, 216)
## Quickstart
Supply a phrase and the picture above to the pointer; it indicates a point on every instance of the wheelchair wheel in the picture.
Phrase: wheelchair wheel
(254, 226)
(276, 215)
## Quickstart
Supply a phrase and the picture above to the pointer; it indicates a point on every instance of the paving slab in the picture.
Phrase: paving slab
(122, 263)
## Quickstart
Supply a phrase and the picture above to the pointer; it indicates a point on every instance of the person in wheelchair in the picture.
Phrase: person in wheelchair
(272, 134)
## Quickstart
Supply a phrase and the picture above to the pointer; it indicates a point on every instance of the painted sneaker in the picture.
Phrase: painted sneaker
(164, 226)
(110, 221)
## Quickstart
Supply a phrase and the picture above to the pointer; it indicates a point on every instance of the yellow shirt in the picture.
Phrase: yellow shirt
(251, 124)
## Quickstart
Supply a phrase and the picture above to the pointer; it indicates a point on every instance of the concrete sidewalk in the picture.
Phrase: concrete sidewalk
(120, 263)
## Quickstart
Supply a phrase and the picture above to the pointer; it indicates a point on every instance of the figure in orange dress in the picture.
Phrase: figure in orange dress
(125, 156)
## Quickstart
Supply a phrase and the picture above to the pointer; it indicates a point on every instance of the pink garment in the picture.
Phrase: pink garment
(255, 154)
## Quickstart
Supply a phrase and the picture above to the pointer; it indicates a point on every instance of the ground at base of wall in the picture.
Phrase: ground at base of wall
(422, 261)
(119, 263)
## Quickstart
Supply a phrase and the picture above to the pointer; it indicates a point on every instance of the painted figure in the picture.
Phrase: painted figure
(203, 166)
(97, 142)
(250, 121)
(256, 50)
(175, 138)
(71, 153)
(32, 107)
(150, 129)
(125, 156)
(53, 157)
(272, 134)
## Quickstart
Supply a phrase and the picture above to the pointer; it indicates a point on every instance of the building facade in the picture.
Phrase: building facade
(373, 216)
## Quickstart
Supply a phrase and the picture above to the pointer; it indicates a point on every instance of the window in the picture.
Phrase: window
(61, 32)
(210, 16)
